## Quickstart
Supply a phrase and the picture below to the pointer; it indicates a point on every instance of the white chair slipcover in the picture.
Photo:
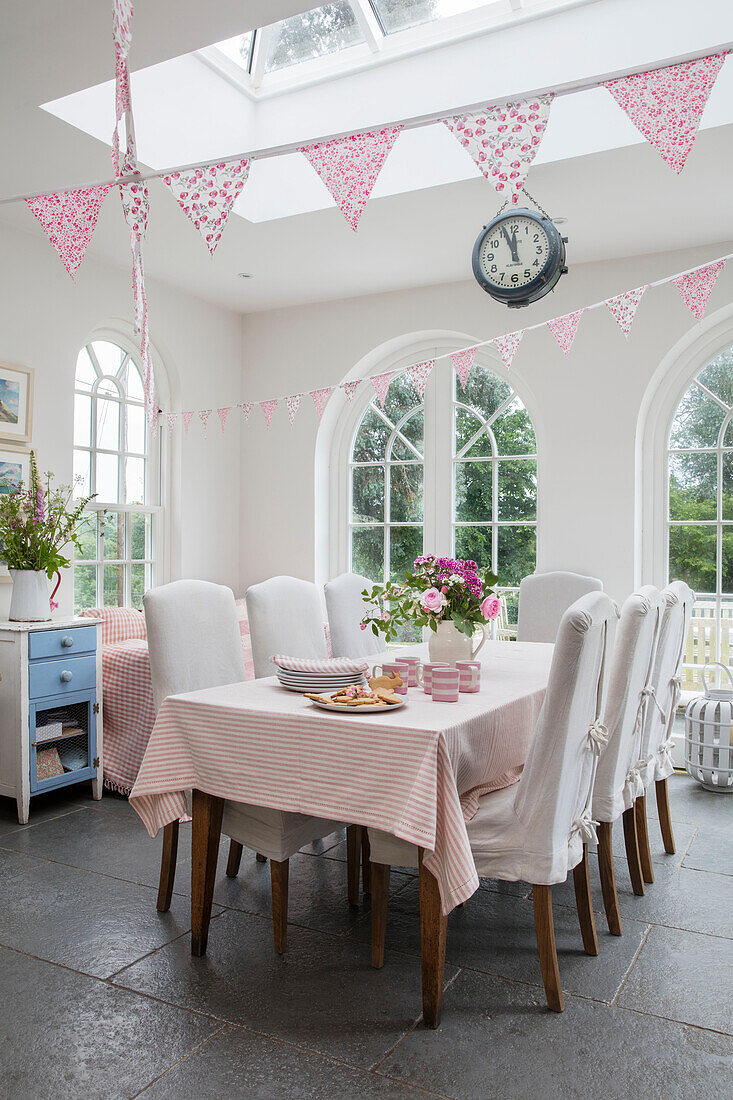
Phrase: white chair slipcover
(543, 600)
(285, 616)
(346, 608)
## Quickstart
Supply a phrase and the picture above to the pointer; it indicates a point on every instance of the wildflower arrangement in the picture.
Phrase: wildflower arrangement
(438, 590)
(37, 522)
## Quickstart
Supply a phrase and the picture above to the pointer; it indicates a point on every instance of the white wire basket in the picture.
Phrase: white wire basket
(709, 735)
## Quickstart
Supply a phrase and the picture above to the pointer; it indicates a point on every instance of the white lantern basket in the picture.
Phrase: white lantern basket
(709, 735)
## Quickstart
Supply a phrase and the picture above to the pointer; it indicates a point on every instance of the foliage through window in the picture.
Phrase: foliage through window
(113, 460)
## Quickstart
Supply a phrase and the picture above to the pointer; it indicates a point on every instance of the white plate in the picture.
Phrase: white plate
(319, 680)
(368, 709)
(318, 675)
(301, 690)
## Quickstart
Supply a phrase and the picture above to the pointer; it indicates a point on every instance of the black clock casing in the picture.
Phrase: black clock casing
(548, 273)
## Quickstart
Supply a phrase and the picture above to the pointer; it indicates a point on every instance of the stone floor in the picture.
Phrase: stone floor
(101, 997)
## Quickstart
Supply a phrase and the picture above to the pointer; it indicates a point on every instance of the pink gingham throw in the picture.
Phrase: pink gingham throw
(320, 664)
(416, 773)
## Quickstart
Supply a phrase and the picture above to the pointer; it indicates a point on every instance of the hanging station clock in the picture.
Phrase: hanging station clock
(519, 257)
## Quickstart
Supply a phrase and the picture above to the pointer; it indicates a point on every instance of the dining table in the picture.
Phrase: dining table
(416, 771)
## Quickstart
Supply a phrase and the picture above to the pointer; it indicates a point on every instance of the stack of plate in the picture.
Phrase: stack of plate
(323, 683)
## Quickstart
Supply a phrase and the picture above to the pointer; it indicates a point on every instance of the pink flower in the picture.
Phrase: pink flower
(386, 616)
(490, 607)
(444, 588)
(432, 600)
(363, 626)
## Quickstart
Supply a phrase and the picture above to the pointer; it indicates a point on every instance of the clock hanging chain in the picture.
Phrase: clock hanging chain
(531, 198)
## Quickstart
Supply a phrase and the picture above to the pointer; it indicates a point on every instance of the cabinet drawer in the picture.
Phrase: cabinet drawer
(47, 678)
(62, 643)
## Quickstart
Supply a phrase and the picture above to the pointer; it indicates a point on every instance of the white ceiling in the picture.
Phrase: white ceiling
(622, 200)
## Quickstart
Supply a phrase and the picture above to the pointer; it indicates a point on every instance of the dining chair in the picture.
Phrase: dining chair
(346, 608)
(195, 643)
(617, 785)
(285, 616)
(538, 830)
(655, 758)
(543, 600)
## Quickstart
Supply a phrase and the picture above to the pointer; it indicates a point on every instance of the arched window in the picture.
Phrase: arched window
(456, 474)
(700, 510)
(114, 458)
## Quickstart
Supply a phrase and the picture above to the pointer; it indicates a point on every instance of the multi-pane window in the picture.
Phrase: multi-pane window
(113, 460)
(700, 511)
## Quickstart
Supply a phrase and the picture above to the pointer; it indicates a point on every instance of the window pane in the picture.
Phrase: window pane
(727, 486)
(726, 582)
(132, 380)
(138, 585)
(400, 15)
(86, 375)
(141, 542)
(107, 485)
(413, 430)
(81, 474)
(85, 587)
(82, 421)
(517, 489)
(484, 392)
(406, 497)
(108, 424)
(401, 397)
(134, 481)
(466, 426)
(474, 544)
(312, 34)
(113, 540)
(517, 552)
(693, 480)
(135, 428)
(511, 600)
(108, 388)
(718, 376)
(114, 586)
(237, 49)
(370, 444)
(109, 356)
(692, 556)
(473, 491)
(87, 538)
(368, 494)
(367, 552)
(697, 422)
(513, 431)
(405, 546)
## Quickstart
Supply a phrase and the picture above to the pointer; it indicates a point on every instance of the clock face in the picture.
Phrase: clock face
(514, 253)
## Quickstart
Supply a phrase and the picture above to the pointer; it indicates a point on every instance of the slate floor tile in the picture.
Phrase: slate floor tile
(322, 994)
(683, 976)
(498, 1039)
(43, 808)
(691, 803)
(65, 1035)
(711, 850)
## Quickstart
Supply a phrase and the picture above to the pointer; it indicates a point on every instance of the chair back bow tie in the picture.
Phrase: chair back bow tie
(648, 692)
(584, 827)
(634, 785)
(597, 737)
(664, 753)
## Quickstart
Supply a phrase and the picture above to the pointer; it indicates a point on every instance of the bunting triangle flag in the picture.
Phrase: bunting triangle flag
(350, 388)
(223, 414)
(268, 408)
(171, 420)
(419, 373)
(206, 196)
(381, 385)
(624, 306)
(292, 404)
(349, 167)
(503, 140)
(320, 397)
(462, 363)
(69, 219)
(186, 417)
(507, 346)
(697, 286)
(564, 329)
(204, 415)
(666, 105)
(246, 407)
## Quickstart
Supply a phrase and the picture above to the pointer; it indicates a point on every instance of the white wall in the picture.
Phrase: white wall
(45, 318)
(585, 406)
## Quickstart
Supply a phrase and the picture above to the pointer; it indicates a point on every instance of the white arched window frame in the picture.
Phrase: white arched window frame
(126, 541)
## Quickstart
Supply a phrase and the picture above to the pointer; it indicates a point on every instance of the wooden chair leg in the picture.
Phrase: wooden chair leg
(632, 851)
(167, 867)
(665, 818)
(608, 877)
(545, 931)
(380, 896)
(207, 811)
(366, 862)
(433, 926)
(235, 858)
(584, 904)
(260, 858)
(642, 833)
(279, 879)
(353, 862)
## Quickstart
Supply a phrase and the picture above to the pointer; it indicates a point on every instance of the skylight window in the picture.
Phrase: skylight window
(312, 34)
(239, 49)
(402, 15)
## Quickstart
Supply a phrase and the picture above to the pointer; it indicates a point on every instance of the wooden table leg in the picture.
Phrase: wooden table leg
(353, 862)
(433, 925)
(207, 811)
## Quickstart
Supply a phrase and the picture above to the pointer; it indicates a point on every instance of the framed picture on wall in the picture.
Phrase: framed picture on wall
(16, 404)
(15, 466)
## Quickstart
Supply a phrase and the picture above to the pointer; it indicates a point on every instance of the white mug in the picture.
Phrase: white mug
(446, 683)
(470, 675)
(412, 669)
(391, 668)
(425, 674)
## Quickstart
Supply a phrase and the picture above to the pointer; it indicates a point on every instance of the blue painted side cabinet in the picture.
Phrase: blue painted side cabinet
(50, 708)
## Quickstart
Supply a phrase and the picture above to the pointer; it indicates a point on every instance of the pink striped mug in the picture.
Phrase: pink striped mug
(391, 668)
(445, 685)
(470, 675)
(425, 676)
(412, 667)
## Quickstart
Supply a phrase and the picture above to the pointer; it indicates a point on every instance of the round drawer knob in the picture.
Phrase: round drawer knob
(66, 676)
(67, 641)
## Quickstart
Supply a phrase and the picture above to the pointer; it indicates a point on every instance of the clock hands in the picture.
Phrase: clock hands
(512, 242)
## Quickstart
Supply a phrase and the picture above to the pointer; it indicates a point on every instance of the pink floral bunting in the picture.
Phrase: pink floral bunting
(462, 363)
(507, 346)
(351, 387)
(381, 385)
(246, 407)
(349, 167)
(320, 397)
(268, 408)
(697, 286)
(292, 404)
(503, 139)
(121, 26)
(419, 373)
(69, 219)
(223, 413)
(666, 105)
(171, 420)
(186, 417)
(204, 415)
(564, 329)
(206, 196)
(623, 308)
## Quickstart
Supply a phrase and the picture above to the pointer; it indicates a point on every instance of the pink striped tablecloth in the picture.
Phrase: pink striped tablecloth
(416, 772)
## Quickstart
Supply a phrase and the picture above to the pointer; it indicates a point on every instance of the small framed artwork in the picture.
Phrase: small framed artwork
(16, 404)
(15, 467)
